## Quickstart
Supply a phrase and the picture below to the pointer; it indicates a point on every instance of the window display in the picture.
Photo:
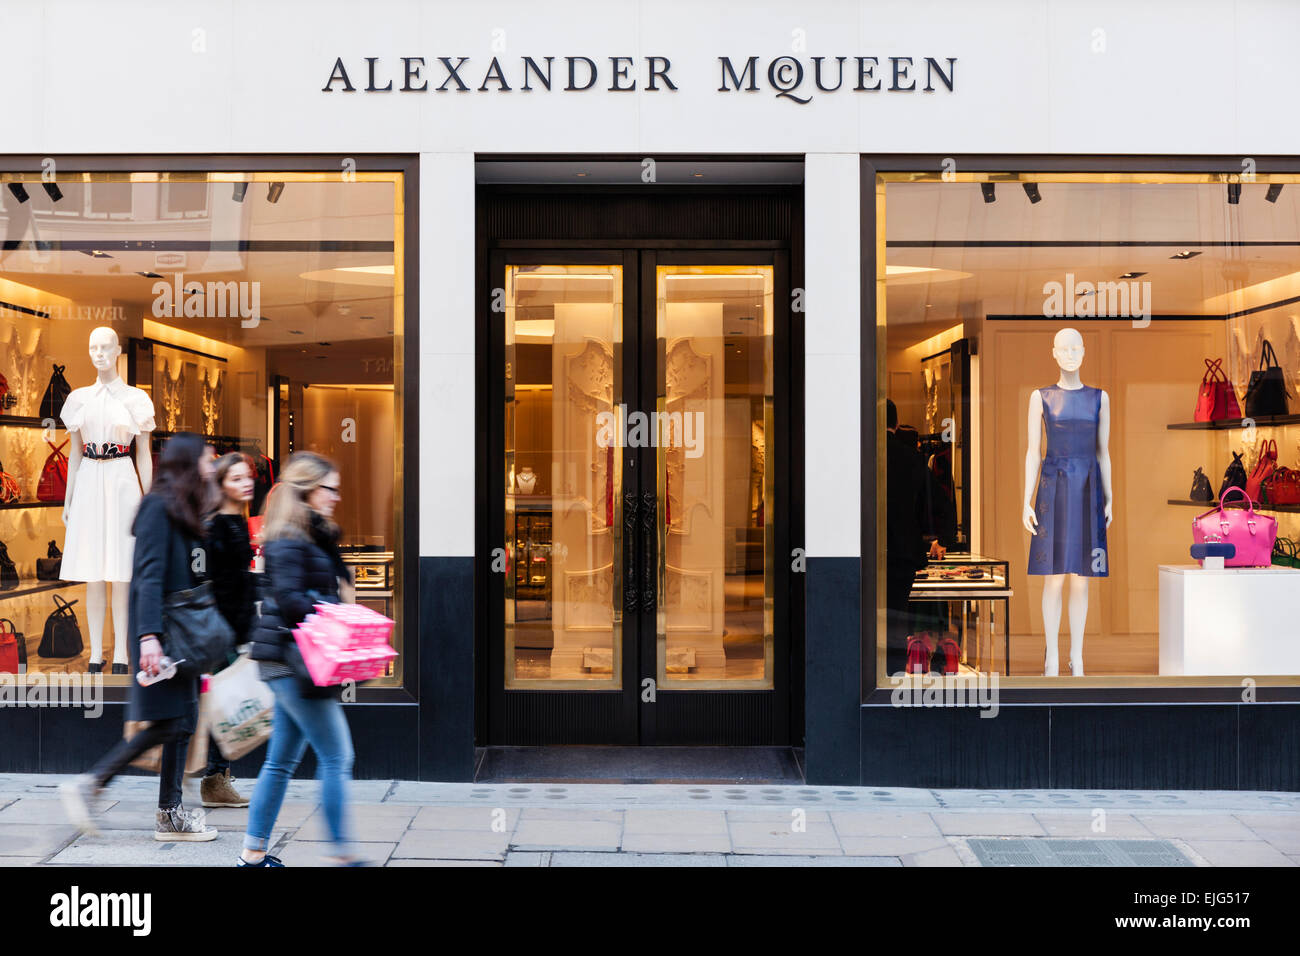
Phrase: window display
(265, 315)
(1192, 349)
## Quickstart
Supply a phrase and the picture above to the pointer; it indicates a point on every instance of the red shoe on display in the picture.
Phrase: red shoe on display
(950, 653)
(919, 649)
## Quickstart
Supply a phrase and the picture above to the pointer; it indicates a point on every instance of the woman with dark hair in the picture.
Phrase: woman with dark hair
(303, 568)
(168, 529)
(230, 554)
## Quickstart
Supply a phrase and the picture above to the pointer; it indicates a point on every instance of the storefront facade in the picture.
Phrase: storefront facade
(600, 319)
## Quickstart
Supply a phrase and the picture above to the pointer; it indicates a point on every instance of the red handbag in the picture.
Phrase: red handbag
(13, 649)
(53, 485)
(1283, 487)
(1216, 400)
(1266, 465)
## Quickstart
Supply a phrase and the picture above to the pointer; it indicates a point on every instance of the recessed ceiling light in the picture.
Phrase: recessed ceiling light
(1185, 254)
(1132, 275)
(698, 175)
(582, 174)
(294, 332)
(366, 318)
(149, 275)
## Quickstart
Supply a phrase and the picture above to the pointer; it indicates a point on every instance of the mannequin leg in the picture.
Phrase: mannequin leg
(96, 605)
(1078, 621)
(121, 590)
(1053, 585)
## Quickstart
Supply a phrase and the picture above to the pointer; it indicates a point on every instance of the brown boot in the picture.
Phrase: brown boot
(218, 790)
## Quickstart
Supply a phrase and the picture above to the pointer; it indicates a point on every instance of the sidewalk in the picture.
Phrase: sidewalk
(404, 823)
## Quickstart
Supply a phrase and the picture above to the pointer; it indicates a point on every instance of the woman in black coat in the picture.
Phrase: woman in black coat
(230, 554)
(167, 532)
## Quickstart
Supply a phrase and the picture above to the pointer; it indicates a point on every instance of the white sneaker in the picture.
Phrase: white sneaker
(79, 795)
(179, 825)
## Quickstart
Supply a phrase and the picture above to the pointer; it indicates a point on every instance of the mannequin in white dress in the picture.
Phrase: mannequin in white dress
(104, 491)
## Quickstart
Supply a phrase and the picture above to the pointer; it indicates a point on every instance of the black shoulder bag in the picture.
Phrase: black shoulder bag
(8, 570)
(1235, 476)
(50, 567)
(1266, 392)
(56, 393)
(196, 635)
(62, 635)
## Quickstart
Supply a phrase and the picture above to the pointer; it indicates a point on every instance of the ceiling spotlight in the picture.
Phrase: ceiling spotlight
(1273, 192)
(987, 190)
(53, 191)
(149, 275)
(273, 192)
(19, 191)
(95, 253)
(1031, 190)
(1132, 275)
(1185, 254)
(1234, 193)
(238, 191)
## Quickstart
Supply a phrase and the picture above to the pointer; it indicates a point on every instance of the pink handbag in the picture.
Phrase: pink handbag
(1252, 534)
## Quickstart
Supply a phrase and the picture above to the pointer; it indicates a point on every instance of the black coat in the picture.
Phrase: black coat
(906, 511)
(293, 568)
(229, 554)
(162, 565)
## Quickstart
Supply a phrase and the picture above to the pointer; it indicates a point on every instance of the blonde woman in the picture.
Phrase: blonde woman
(303, 568)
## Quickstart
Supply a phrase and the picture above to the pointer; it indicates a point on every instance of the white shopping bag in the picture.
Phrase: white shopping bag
(237, 708)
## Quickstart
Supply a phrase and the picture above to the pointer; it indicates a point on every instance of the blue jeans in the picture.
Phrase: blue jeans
(297, 723)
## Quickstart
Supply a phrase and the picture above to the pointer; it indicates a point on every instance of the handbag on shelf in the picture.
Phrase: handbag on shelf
(6, 399)
(50, 567)
(56, 393)
(1266, 465)
(1234, 476)
(1284, 553)
(13, 649)
(8, 570)
(1266, 392)
(1252, 534)
(62, 635)
(53, 485)
(9, 490)
(1216, 400)
(1201, 490)
(1283, 487)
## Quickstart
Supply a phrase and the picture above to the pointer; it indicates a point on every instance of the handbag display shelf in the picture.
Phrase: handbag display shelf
(26, 421)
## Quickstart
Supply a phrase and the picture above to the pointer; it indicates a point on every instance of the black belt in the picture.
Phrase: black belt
(105, 452)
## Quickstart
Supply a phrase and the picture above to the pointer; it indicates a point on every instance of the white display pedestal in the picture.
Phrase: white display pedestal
(1238, 621)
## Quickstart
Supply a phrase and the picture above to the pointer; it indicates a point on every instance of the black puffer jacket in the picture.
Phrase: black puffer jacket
(295, 567)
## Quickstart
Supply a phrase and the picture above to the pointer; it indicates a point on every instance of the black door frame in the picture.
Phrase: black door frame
(542, 716)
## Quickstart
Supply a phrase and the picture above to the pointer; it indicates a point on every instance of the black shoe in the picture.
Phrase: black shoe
(267, 860)
(95, 667)
(119, 669)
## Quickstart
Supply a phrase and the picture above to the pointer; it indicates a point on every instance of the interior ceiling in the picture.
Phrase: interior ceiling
(624, 172)
(293, 309)
(1097, 232)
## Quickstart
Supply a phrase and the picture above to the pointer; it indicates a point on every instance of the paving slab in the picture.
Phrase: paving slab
(753, 837)
(887, 824)
(32, 839)
(1194, 827)
(567, 834)
(34, 809)
(719, 842)
(480, 844)
(370, 823)
(1084, 824)
(397, 862)
(466, 818)
(637, 859)
(1240, 853)
(890, 846)
(132, 848)
(737, 859)
(987, 824)
(313, 853)
(21, 860)
(940, 856)
(292, 815)
(528, 859)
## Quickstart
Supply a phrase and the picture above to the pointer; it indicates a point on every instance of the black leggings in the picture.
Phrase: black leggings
(174, 734)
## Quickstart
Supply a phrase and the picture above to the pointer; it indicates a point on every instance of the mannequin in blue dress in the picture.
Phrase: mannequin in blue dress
(1069, 514)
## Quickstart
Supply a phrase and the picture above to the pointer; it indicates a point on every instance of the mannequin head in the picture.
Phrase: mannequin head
(1067, 349)
(104, 349)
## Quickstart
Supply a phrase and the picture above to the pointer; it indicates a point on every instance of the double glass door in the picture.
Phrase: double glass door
(635, 421)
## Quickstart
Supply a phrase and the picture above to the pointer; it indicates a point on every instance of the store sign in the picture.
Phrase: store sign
(785, 77)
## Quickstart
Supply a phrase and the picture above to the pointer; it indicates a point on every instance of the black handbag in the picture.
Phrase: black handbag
(1234, 477)
(1266, 393)
(56, 393)
(8, 570)
(50, 567)
(196, 636)
(62, 636)
(1201, 490)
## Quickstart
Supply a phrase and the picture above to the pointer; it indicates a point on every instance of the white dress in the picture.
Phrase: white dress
(105, 494)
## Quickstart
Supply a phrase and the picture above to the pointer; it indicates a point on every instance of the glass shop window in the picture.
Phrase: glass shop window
(1090, 428)
(260, 310)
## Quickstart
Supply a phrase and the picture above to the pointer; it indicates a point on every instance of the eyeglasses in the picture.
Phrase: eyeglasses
(331, 489)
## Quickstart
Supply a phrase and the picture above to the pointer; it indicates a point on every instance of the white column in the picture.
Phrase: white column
(446, 372)
(832, 361)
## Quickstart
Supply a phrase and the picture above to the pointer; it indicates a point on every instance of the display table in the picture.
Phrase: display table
(1238, 621)
(971, 580)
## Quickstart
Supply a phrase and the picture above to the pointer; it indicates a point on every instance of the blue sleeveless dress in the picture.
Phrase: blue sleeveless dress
(1070, 503)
